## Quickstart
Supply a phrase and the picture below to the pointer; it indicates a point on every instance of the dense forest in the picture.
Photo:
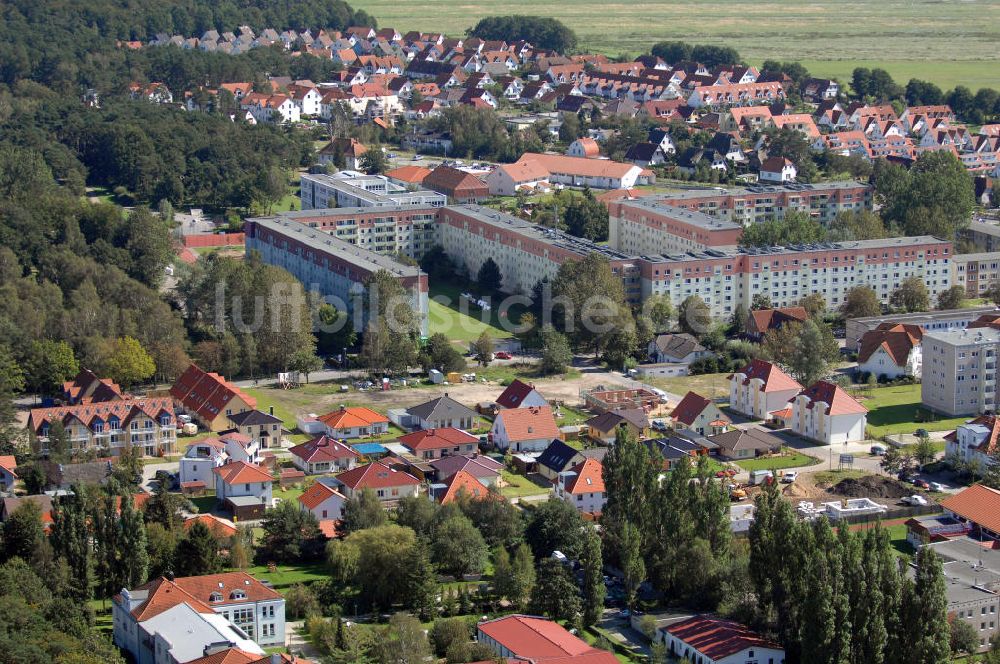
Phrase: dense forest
(57, 42)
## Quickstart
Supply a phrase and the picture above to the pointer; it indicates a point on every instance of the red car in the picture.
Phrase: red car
(503, 355)
(728, 472)
(923, 484)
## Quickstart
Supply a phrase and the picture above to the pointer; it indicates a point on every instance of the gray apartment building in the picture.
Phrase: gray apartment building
(959, 375)
(972, 585)
(350, 189)
(947, 320)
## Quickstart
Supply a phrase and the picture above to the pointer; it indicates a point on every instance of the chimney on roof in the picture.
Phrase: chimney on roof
(342, 408)
(271, 410)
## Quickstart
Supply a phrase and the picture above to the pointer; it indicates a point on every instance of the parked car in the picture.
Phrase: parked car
(503, 355)
(660, 425)
(878, 450)
(923, 484)
(916, 501)
(790, 477)
(725, 472)
(937, 486)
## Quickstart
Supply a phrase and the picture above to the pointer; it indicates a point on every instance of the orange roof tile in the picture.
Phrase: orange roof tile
(435, 439)
(241, 472)
(411, 174)
(207, 394)
(315, 495)
(775, 380)
(541, 640)
(896, 339)
(356, 416)
(979, 504)
(717, 638)
(375, 476)
(164, 594)
(589, 477)
(216, 526)
(838, 401)
(529, 423)
(462, 482)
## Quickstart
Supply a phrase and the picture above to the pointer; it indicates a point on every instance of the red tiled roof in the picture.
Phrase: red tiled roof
(226, 583)
(90, 413)
(514, 394)
(207, 394)
(690, 407)
(375, 476)
(542, 641)
(9, 463)
(323, 448)
(356, 416)
(716, 638)
(897, 341)
(762, 320)
(451, 181)
(412, 174)
(435, 439)
(241, 472)
(775, 380)
(217, 526)
(978, 504)
(462, 482)
(163, 595)
(228, 656)
(992, 423)
(590, 146)
(838, 401)
(529, 423)
(316, 494)
(589, 477)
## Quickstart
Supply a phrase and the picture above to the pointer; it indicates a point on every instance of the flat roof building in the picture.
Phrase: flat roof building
(931, 321)
(354, 189)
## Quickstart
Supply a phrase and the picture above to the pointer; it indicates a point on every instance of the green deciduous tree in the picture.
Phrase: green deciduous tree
(363, 511)
(861, 302)
(556, 353)
(198, 552)
(953, 298)
(911, 296)
(459, 548)
(48, 364)
(126, 362)
(483, 349)
(290, 534)
(555, 593)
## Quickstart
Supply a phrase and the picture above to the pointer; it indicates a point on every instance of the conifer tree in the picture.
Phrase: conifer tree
(71, 541)
(593, 578)
(928, 615)
(422, 583)
(198, 552)
(134, 556)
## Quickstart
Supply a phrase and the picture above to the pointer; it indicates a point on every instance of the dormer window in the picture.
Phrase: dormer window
(215, 597)
(237, 594)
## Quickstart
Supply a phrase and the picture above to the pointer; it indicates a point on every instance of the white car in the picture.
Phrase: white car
(937, 486)
(916, 501)
(789, 477)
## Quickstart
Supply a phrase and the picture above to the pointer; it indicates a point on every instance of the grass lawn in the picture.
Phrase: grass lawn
(830, 38)
(289, 494)
(895, 410)
(831, 477)
(461, 320)
(787, 459)
(286, 576)
(572, 416)
(518, 486)
(205, 504)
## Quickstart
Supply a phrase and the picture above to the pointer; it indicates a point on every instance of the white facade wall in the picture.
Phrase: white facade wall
(259, 490)
(881, 364)
(815, 424)
(751, 399)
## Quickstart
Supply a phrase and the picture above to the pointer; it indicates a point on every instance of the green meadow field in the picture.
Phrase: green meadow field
(948, 42)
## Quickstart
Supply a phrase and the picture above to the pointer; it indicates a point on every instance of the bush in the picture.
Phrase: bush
(449, 631)
(301, 602)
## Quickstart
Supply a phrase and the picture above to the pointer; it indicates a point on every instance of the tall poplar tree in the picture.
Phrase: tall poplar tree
(928, 615)
(70, 540)
(593, 578)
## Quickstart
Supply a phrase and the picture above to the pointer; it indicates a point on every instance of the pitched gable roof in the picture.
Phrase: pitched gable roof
(462, 482)
(162, 595)
(448, 180)
(318, 493)
(529, 423)
(557, 456)
(375, 476)
(678, 345)
(253, 418)
(762, 320)
(610, 420)
(838, 401)
(896, 339)
(477, 465)
(514, 394)
(542, 641)
(217, 526)
(89, 414)
(435, 439)
(323, 448)
(690, 407)
(9, 463)
(978, 504)
(205, 393)
(716, 638)
(589, 478)
(241, 472)
(774, 379)
(411, 174)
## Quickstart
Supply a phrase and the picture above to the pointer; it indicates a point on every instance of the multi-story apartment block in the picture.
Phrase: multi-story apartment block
(975, 272)
(258, 611)
(676, 247)
(959, 374)
(644, 225)
(348, 189)
(110, 426)
(332, 266)
(929, 321)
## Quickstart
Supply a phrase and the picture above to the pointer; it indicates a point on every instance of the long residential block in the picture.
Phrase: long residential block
(353, 189)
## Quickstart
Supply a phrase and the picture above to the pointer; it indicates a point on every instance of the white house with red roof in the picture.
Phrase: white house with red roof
(973, 442)
(203, 457)
(147, 423)
(456, 485)
(891, 350)
(760, 388)
(233, 598)
(355, 422)
(700, 415)
(8, 464)
(826, 413)
(388, 484)
(436, 443)
(712, 640)
(324, 454)
(524, 429)
(209, 398)
(244, 487)
(324, 501)
(778, 169)
(582, 486)
(538, 640)
(520, 395)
